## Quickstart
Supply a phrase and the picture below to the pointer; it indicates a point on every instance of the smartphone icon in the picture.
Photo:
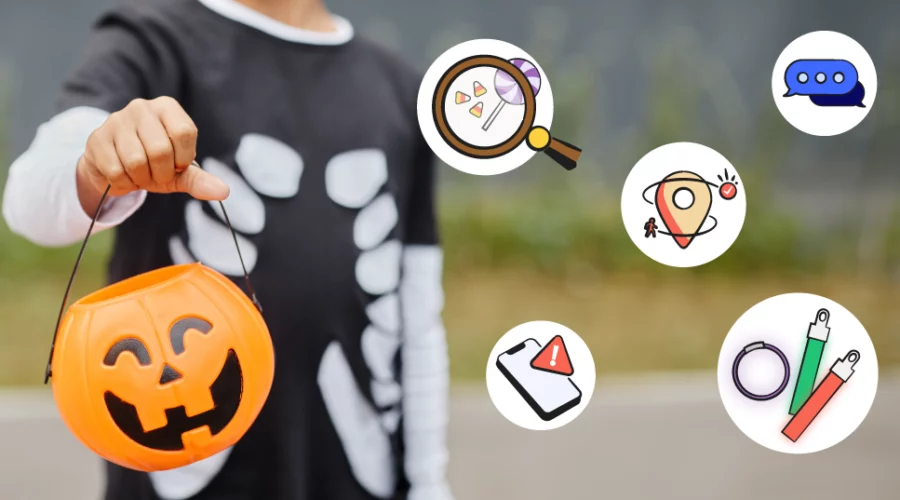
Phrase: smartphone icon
(548, 394)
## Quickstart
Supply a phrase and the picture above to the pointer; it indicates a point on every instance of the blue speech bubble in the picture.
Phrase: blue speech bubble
(853, 98)
(820, 77)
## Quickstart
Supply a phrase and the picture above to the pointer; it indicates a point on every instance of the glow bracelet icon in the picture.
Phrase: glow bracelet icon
(735, 371)
(840, 373)
(816, 337)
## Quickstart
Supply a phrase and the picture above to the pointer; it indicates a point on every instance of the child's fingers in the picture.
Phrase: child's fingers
(181, 131)
(101, 159)
(133, 159)
(158, 147)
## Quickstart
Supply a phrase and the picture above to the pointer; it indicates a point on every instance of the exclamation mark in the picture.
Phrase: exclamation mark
(553, 356)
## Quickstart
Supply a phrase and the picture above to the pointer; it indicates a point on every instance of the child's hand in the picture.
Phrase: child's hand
(147, 145)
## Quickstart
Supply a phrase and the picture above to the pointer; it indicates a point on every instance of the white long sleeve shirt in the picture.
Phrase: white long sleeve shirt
(40, 201)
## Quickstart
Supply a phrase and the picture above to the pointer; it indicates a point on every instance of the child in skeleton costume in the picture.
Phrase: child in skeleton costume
(332, 195)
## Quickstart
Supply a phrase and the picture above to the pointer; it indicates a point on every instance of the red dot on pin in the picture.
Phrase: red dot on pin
(728, 190)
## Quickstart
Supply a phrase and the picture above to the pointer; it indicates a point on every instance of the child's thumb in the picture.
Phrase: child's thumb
(201, 184)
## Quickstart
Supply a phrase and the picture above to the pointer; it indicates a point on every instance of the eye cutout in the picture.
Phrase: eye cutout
(180, 328)
(137, 347)
(129, 344)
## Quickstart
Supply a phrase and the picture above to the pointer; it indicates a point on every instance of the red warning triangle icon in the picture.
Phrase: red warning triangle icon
(554, 357)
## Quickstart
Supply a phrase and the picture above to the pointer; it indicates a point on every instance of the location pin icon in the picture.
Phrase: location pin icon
(683, 200)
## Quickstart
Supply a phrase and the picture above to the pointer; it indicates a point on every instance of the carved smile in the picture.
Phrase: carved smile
(226, 393)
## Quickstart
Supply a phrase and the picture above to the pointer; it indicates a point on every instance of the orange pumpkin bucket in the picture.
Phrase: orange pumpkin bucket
(163, 369)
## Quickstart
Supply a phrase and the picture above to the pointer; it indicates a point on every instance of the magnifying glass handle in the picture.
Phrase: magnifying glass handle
(563, 153)
(539, 139)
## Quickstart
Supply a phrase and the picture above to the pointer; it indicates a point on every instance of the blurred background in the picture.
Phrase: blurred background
(628, 76)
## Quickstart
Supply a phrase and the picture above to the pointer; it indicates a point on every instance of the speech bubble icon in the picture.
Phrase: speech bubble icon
(820, 77)
(853, 98)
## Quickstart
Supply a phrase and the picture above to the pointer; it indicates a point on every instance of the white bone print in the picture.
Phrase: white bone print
(269, 167)
(353, 179)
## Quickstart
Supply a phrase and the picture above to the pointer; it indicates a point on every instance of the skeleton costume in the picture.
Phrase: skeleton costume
(332, 196)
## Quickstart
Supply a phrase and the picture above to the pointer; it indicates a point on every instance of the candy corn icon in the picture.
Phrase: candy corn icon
(476, 109)
(479, 89)
(461, 97)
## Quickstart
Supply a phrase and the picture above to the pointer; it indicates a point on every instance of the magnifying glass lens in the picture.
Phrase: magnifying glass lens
(488, 121)
(473, 107)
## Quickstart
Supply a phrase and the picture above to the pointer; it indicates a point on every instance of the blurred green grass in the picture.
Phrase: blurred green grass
(639, 323)
(563, 255)
(32, 282)
(550, 254)
(564, 230)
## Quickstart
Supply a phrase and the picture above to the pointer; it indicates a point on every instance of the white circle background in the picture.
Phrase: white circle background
(798, 110)
(479, 166)
(507, 399)
(654, 167)
(783, 321)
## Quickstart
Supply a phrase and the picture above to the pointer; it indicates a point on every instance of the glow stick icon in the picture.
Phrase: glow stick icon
(816, 337)
(841, 372)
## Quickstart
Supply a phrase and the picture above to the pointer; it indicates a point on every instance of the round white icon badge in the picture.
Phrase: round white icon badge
(485, 108)
(683, 204)
(824, 83)
(797, 373)
(540, 375)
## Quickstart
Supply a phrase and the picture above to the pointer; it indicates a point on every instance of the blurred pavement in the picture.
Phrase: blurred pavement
(661, 437)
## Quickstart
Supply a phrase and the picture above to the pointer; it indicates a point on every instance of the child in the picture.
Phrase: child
(310, 135)
(650, 228)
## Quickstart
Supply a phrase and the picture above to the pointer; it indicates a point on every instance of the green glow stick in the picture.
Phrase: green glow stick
(816, 337)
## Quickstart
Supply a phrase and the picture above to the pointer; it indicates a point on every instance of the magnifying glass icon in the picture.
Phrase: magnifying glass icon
(536, 137)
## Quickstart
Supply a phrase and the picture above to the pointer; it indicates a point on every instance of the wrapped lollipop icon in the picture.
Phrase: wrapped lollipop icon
(509, 90)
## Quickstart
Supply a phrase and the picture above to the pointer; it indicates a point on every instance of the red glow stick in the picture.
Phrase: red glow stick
(840, 373)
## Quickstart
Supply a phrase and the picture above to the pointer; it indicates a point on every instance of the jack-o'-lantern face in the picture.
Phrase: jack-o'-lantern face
(162, 371)
(225, 391)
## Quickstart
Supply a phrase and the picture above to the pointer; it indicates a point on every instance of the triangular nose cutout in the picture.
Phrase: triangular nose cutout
(169, 374)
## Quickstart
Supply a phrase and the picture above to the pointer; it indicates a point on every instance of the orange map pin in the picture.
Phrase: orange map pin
(683, 200)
